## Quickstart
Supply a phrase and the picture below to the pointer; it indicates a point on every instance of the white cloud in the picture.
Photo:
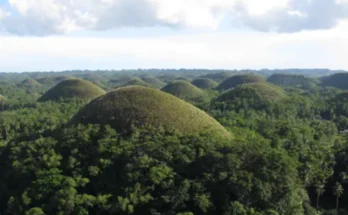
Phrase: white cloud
(324, 48)
(45, 17)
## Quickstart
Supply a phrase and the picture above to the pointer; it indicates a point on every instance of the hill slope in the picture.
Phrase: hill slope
(253, 95)
(138, 106)
(204, 83)
(338, 80)
(236, 80)
(291, 80)
(29, 82)
(185, 90)
(72, 88)
(137, 82)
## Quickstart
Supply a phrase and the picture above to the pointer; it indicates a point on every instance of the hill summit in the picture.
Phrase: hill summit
(236, 80)
(72, 88)
(185, 90)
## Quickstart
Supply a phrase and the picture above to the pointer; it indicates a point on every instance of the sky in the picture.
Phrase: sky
(55, 35)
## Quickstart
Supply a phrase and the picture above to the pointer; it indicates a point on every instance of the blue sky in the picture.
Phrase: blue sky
(45, 35)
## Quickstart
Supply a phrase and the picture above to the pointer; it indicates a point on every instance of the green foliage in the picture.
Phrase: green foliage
(152, 171)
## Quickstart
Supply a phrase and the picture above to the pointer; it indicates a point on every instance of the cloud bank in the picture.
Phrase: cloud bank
(49, 17)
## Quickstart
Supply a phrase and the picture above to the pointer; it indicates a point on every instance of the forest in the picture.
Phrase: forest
(174, 142)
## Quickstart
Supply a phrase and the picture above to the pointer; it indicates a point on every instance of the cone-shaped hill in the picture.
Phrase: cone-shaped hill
(219, 76)
(137, 82)
(72, 88)
(291, 80)
(136, 106)
(236, 80)
(185, 90)
(154, 82)
(252, 95)
(204, 83)
(338, 80)
(29, 82)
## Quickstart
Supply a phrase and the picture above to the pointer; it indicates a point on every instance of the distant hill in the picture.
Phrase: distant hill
(137, 106)
(137, 82)
(29, 82)
(154, 82)
(204, 83)
(236, 80)
(72, 88)
(338, 80)
(185, 90)
(219, 76)
(252, 95)
(290, 80)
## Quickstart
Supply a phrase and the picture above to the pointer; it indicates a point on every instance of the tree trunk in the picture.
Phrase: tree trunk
(337, 202)
(318, 196)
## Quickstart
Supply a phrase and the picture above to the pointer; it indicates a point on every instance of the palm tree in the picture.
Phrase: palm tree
(319, 190)
(338, 190)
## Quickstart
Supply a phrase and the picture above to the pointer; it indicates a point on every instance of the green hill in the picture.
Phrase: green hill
(154, 82)
(218, 76)
(338, 80)
(137, 82)
(291, 80)
(204, 83)
(185, 90)
(138, 106)
(254, 95)
(236, 80)
(120, 80)
(29, 82)
(73, 88)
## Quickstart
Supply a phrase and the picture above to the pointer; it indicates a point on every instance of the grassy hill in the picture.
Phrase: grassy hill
(253, 95)
(137, 82)
(72, 88)
(237, 80)
(338, 80)
(204, 83)
(138, 106)
(29, 82)
(185, 90)
(291, 80)
(154, 82)
(218, 76)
